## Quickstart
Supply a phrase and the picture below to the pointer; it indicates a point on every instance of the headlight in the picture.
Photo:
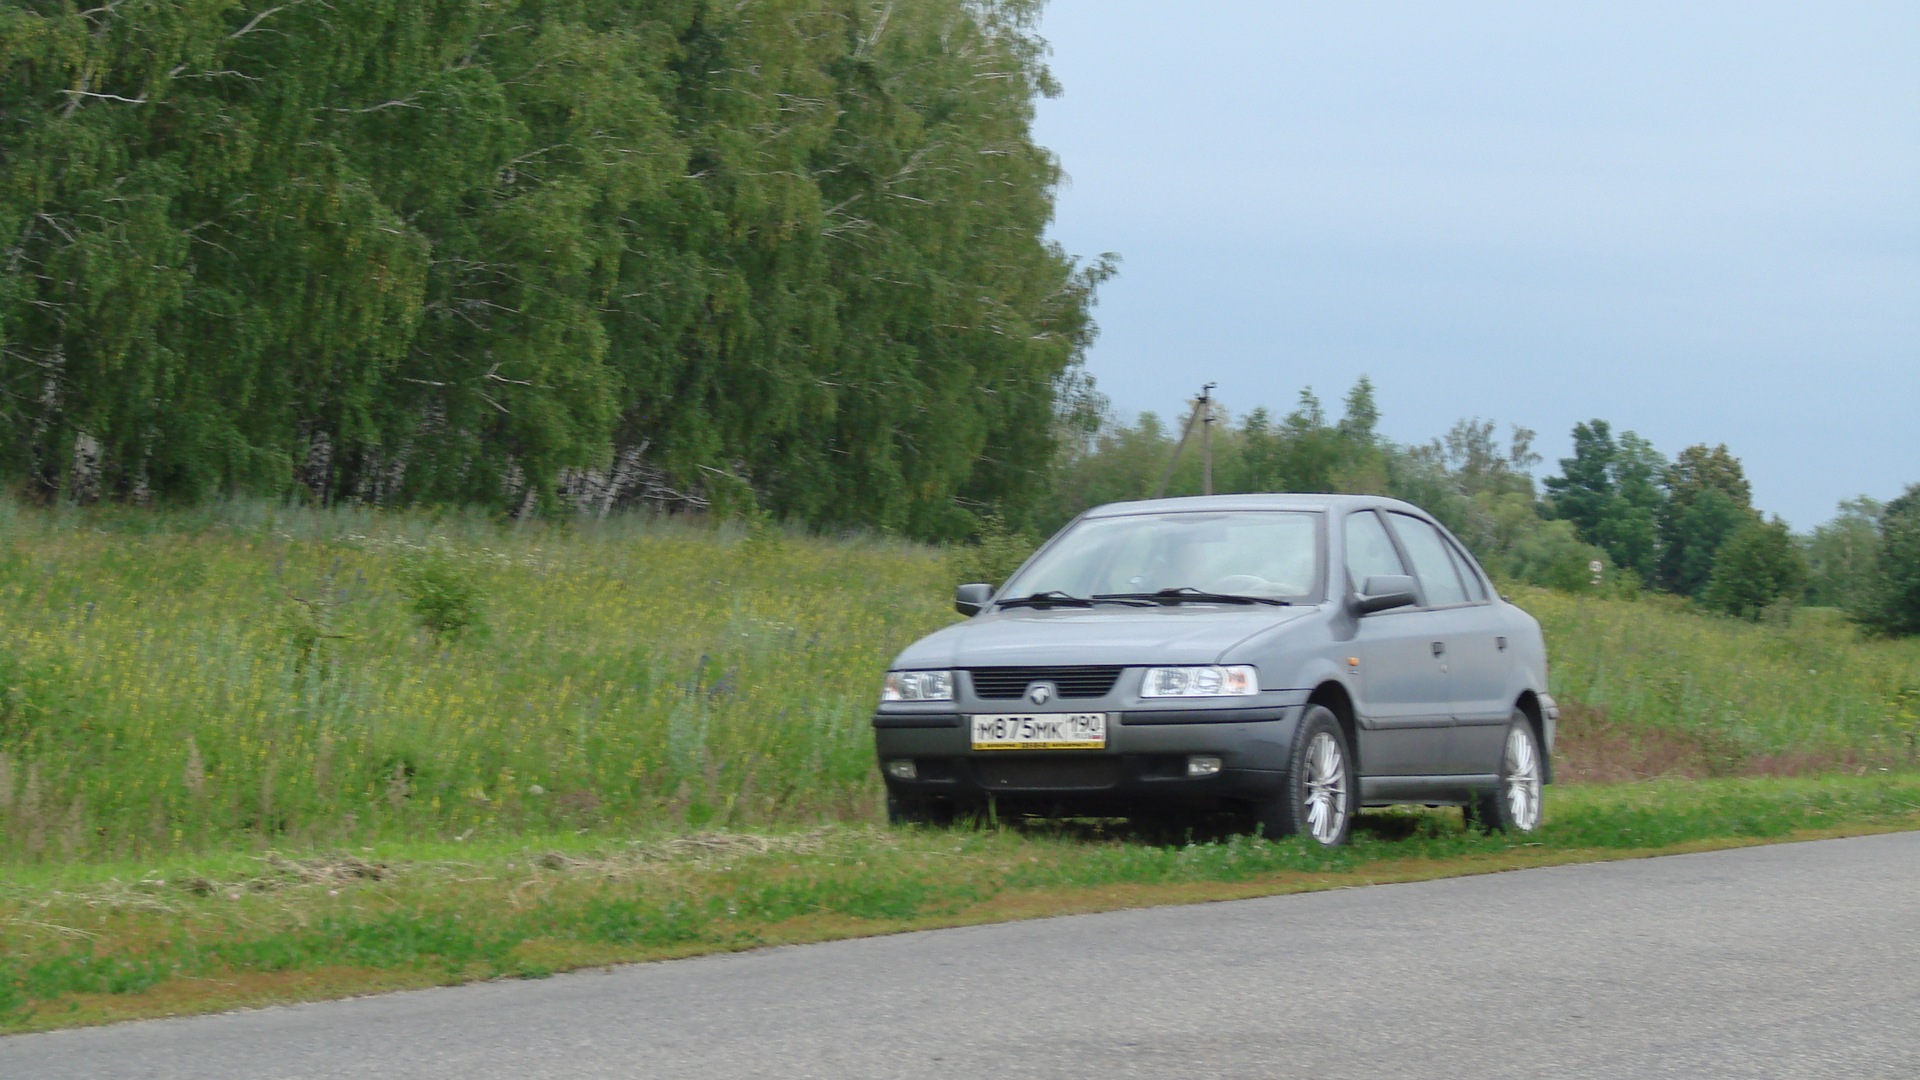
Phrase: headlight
(1235, 680)
(918, 686)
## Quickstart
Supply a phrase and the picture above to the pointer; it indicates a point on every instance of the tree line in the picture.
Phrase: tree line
(783, 257)
(786, 255)
(1685, 526)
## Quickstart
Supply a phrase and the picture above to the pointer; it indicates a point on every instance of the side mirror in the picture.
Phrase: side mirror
(1386, 591)
(970, 599)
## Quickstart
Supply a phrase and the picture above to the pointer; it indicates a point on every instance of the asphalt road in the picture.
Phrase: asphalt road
(1798, 960)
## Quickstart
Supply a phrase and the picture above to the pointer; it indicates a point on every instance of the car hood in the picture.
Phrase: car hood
(1186, 634)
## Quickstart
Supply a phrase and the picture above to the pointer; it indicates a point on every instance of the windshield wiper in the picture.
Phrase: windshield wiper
(1186, 593)
(1049, 598)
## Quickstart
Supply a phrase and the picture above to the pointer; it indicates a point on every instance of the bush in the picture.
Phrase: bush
(995, 553)
(443, 595)
(1756, 568)
(1553, 557)
(1892, 604)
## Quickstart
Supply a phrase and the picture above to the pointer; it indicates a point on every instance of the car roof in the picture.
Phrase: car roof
(1275, 500)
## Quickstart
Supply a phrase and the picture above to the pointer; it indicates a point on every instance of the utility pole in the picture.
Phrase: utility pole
(1206, 439)
(1202, 407)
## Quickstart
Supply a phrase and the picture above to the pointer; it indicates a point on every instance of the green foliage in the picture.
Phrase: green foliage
(28, 701)
(1892, 606)
(1552, 556)
(1479, 490)
(474, 252)
(1611, 490)
(1708, 500)
(1756, 568)
(994, 554)
(443, 595)
(1302, 451)
(1843, 557)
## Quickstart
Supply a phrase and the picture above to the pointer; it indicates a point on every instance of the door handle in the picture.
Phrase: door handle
(1439, 648)
(1501, 641)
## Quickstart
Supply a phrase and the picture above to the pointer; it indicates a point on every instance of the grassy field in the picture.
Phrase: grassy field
(253, 677)
(247, 677)
(1657, 689)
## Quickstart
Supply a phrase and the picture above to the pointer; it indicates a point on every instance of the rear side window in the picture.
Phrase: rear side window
(1370, 552)
(1476, 591)
(1431, 561)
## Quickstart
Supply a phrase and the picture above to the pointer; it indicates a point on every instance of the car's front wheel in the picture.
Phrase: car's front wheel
(1317, 797)
(1515, 805)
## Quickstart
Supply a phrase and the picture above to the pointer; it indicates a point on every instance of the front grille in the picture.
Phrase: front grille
(1047, 774)
(1071, 682)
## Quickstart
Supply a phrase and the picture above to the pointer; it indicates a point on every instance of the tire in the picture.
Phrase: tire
(1318, 796)
(1515, 805)
(907, 812)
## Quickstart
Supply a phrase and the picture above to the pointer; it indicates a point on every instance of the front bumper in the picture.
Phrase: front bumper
(1144, 762)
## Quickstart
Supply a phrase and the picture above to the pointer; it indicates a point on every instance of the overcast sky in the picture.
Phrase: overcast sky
(1697, 221)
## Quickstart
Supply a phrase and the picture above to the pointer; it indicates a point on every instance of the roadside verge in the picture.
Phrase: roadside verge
(85, 944)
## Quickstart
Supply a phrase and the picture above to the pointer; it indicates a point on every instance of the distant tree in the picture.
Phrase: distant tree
(1708, 499)
(1632, 536)
(1611, 490)
(1481, 490)
(1893, 606)
(1362, 414)
(1699, 468)
(1553, 556)
(1694, 536)
(1303, 451)
(1479, 465)
(1756, 567)
(1419, 475)
(1262, 454)
(1583, 492)
(1842, 556)
(1313, 448)
(1121, 461)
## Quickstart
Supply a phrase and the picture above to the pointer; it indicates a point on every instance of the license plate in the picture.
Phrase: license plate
(1046, 731)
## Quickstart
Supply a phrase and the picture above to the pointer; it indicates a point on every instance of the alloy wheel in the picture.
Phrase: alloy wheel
(1326, 796)
(1522, 780)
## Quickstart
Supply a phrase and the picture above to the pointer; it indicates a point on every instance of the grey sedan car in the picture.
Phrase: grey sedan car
(1290, 657)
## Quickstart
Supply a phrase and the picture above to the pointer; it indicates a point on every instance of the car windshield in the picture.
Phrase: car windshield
(1260, 553)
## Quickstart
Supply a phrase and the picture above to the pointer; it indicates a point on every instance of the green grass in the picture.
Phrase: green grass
(245, 677)
(87, 942)
(193, 681)
(1771, 698)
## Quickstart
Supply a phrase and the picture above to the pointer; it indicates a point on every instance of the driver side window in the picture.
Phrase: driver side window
(1439, 578)
(1370, 553)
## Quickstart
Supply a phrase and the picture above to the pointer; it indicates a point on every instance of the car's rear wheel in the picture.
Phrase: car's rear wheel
(930, 812)
(1515, 804)
(1317, 797)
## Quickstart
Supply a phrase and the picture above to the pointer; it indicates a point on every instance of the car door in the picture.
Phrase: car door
(1484, 683)
(1405, 717)
(1465, 638)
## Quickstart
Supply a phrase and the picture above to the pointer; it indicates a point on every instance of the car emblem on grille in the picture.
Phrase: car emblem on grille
(1039, 692)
